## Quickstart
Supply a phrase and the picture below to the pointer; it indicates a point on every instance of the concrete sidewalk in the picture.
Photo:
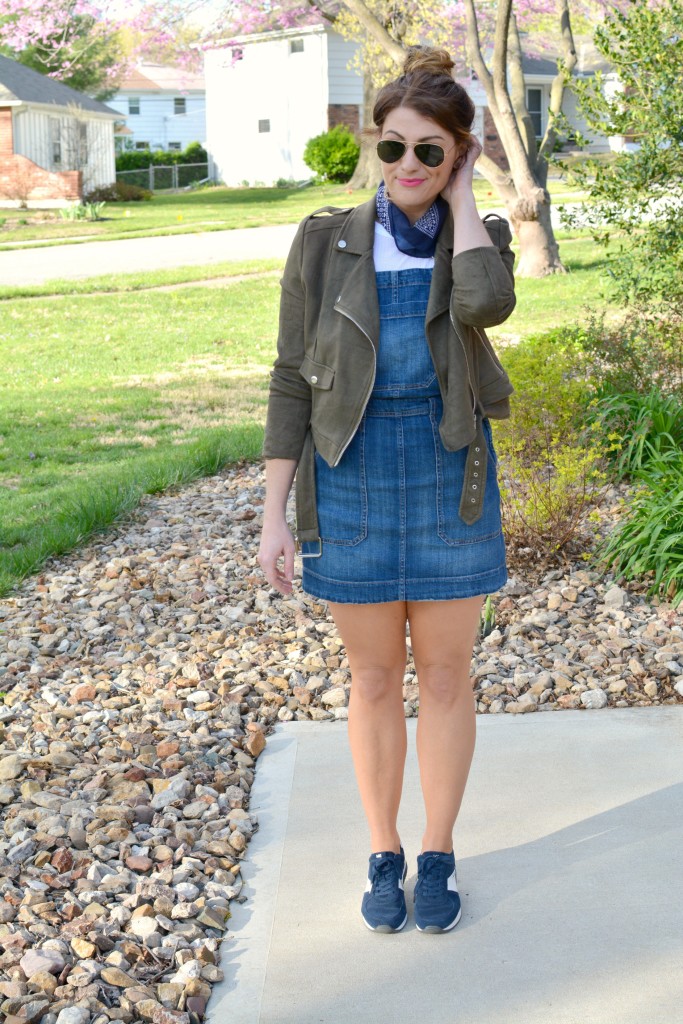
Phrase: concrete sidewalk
(569, 861)
(125, 256)
(92, 259)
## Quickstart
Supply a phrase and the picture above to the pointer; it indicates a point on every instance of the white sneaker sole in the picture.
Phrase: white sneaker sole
(434, 929)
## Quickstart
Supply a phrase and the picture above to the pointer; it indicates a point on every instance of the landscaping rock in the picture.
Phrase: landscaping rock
(143, 674)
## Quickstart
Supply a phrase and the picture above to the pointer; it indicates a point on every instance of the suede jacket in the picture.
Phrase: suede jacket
(329, 335)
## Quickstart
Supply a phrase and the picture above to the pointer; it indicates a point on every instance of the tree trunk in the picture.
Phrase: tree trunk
(539, 253)
(368, 173)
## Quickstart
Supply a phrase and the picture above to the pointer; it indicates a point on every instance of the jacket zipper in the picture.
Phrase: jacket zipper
(369, 391)
(467, 364)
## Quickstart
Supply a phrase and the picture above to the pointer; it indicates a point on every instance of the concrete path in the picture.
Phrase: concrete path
(92, 259)
(569, 861)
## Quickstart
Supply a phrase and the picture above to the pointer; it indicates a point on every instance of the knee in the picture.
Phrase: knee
(374, 685)
(444, 684)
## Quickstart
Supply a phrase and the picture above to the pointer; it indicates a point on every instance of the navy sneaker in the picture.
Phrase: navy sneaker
(437, 903)
(384, 902)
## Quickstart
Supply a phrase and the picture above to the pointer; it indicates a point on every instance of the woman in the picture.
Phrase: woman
(379, 402)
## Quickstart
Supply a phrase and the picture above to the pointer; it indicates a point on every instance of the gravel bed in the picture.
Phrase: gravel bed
(142, 675)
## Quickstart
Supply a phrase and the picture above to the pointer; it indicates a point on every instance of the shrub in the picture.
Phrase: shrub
(650, 540)
(333, 155)
(640, 428)
(117, 192)
(140, 159)
(631, 356)
(551, 464)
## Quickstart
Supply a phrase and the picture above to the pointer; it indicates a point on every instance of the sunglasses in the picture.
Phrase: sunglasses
(391, 150)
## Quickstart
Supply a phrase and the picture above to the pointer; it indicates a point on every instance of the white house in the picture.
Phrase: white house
(267, 94)
(55, 143)
(165, 108)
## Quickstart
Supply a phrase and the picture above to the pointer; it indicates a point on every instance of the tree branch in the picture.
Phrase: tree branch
(500, 179)
(518, 91)
(376, 30)
(503, 114)
(473, 47)
(558, 85)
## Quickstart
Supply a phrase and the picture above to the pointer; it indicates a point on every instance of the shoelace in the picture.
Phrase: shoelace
(384, 880)
(433, 878)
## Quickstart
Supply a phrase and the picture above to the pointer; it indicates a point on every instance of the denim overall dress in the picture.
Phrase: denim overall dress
(389, 511)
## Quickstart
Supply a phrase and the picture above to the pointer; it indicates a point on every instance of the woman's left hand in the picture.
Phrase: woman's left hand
(463, 171)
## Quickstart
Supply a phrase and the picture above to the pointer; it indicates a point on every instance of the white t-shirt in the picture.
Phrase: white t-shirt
(388, 257)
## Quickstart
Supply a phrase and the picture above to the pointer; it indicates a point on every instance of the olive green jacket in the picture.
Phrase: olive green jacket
(329, 335)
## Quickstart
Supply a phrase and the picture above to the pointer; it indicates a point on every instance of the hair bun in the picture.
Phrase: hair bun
(428, 60)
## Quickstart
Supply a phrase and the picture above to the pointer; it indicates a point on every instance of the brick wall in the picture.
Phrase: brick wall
(6, 133)
(493, 147)
(344, 113)
(22, 180)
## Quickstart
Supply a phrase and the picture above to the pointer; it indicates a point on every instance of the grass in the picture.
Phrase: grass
(212, 209)
(116, 390)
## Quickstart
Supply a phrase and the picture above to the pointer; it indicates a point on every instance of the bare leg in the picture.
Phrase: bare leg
(442, 635)
(375, 640)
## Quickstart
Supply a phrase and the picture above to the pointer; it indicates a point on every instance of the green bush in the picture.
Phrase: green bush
(140, 159)
(333, 155)
(552, 472)
(631, 356)
(117, 192)
(639, 428)
(649, 542)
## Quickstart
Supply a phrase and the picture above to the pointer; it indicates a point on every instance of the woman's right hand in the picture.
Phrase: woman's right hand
(277, 541)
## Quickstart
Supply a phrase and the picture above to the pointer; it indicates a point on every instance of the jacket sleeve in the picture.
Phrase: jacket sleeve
(289, 401)
(483, 281)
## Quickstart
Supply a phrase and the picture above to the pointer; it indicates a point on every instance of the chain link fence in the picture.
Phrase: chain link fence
(156, 178)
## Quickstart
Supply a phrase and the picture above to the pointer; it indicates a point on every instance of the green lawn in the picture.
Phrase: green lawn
(109, 389)
(212, 209)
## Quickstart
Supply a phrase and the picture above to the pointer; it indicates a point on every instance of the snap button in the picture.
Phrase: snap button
(476, 462)
(341, 243)
(314, 379)
(477, 449)
(474, 487)
(473, 500)
(475, 474)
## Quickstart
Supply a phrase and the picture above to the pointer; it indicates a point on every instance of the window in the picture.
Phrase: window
(142, 145)
(56, 141)
(534, 102)
(264, 126)
(296, 46)
(82, 144)
(179, 105)
(175, 145)
(133, 104)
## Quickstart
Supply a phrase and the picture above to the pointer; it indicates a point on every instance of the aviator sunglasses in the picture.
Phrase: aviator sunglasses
(391, 150)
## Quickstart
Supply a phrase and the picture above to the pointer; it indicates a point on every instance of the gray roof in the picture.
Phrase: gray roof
(21, 83)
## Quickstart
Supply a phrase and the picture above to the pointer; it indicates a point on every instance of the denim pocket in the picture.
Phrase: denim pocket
(342, 496)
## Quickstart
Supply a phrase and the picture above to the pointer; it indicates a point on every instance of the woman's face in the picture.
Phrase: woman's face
(411, 185)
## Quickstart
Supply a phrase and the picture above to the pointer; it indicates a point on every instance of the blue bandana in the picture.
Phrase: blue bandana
(417, 239)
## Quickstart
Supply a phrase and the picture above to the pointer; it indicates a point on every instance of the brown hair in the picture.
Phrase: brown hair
(428, 87)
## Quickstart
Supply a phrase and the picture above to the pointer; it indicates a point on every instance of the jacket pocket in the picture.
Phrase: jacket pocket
(318, 375)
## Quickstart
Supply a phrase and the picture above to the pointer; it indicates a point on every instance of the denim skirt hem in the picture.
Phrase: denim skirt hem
(382, 591)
